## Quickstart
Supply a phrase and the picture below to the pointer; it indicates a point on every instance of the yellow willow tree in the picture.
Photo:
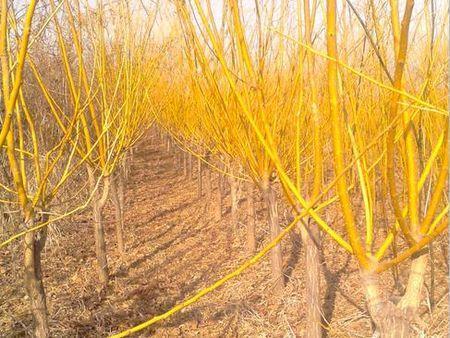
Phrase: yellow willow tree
(40, 157)
(355, 133)
(187, 121)
(309, 104)
(372, 125)
(113, 64)
(126, 74)
(418, 227)
(233, 76)
(279, 85)
(11, 87)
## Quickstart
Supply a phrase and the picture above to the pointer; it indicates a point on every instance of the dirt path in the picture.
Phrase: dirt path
(175, 248)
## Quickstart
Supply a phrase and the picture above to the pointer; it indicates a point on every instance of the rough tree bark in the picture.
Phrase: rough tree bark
(219, 199)
(98, 203)
(117, 197)
(311, 243)
(390, 321)
(168, 145)
(251, 233)
(410, 301)
(33, 245)
(131, 154)
(234, 187)
(270, 200)
(176, 158)
(185, 168)
(396, 321)
(189, 171)
(208, 180)
(199, 178)
(125, 167)
(208, 185)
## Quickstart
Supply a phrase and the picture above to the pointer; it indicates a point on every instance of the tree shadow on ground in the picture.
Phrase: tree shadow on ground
(155, 296)
(332, 280)
(294, 255)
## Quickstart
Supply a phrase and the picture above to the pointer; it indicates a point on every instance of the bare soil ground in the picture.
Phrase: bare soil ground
(175, 248)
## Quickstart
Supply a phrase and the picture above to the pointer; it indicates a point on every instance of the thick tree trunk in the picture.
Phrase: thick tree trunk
(221, 184)
(199, 178)
(168, 145)
(189, 171)
(125, 167)
(219, 200)
(396, 321)
(131, 152)
(177, 162)
(208, 179)
(389, 320)
(98, 202)
(311, 243)
(208, 185)
(156, 134)
(34, 244)
(273, 220)
(118, 201)
(410, 301)
(234, 203)
(185, 168)
(100, 243)
(251, 232)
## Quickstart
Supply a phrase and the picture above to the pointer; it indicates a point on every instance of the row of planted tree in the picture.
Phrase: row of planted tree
(75, 98)
(362, 125)
(338, 103)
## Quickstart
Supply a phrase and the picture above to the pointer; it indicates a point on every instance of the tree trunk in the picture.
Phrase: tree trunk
(125, 167)
(389, 320)
(98, 202)
(222, 187)
(219, 200)
(311, 243)
(208, 185)
(131, 152)
(185, 168)
(156, 134)
(100, 243)
(208, 180)
(169, 148)
(190, 167)
(234, 203)
(117, 199)
(251, 233)
(176, 163)
(276, 255)
(34, 244)
(199, 178)
(396, 321)
(410, 301)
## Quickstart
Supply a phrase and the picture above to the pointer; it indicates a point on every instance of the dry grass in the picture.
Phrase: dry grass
(174, 248)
